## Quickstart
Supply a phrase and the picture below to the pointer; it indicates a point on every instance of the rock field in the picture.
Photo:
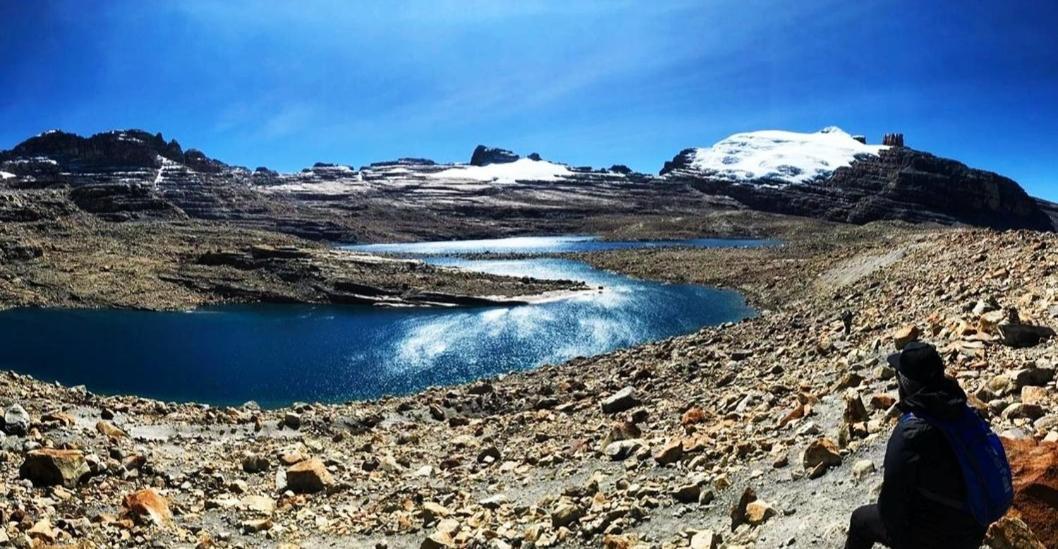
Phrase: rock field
(765, 433)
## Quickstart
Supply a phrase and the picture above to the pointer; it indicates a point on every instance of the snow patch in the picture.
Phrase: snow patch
(780, 156)
(341, 186)
(6, 175)
(523, 169)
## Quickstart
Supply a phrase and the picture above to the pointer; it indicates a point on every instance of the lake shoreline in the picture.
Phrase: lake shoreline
(358, 352)
(653, 444)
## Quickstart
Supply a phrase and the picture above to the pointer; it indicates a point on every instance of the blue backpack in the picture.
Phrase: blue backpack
(985, 470)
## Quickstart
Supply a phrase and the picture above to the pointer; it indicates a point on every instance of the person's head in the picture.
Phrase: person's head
(918, 365)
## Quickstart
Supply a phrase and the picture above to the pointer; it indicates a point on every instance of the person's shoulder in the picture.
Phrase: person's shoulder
(913, 428)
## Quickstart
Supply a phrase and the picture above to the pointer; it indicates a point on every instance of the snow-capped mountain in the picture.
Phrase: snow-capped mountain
(132, 175)
(773, 156)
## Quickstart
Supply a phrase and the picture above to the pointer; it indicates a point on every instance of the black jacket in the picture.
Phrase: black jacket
(922, 499)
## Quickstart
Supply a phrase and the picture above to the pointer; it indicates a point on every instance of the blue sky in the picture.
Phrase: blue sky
(285, 84)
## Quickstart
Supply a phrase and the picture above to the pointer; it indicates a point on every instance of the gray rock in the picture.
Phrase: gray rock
(1036, 377)
(1023, 335)
(619, 401)
(1022, 410)
(623, 448)
(16, 420)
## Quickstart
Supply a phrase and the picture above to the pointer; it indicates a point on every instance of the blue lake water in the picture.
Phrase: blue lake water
(277, 354)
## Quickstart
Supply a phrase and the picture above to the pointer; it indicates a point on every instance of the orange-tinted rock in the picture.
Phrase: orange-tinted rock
(1010, 532)
(1035, 469)
(906, 335)
(308, 476)
(148, 505)
(109, 430)
(882, 402)
(693, 416)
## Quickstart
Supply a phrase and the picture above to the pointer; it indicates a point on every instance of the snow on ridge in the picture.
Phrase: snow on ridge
(780, 156)
(523, 169)
(6, 175)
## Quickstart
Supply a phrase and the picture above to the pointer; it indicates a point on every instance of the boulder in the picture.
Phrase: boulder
(738, 510)
(438, 540)
(621, 430)
(254, 463)
(1035, 469)
(148, 506)
(688, 493)
(109, 430)
(692, 416)
(882, 401)
(16, 420)
(821, 452)
(619, 401)
(262, 505)
(862, 469)
(1022, 410)
(1010, 532)
(432, 511)
(623, 448)
(489, 454)
(252, 526)
(757, 512)
(1023, 335)
(43, 531)
(855, 411)
(670, 452)
(566, 513)
(1036, 377)
(906, 335)
(1032, 395)
(51, 467)
(705, 539)
(308, 476)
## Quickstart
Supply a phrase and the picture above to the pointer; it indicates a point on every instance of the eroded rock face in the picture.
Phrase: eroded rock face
(1035, 469)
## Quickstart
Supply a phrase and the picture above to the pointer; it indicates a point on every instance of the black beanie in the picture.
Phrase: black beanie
(919, 362)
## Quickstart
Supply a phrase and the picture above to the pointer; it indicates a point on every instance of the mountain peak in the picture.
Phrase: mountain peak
(773, 156)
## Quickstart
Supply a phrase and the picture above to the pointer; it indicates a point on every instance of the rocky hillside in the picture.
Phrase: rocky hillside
(829, 175)
(766, 433)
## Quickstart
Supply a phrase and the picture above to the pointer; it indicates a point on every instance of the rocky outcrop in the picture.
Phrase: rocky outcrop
(113, 150)
(893, 140)
(898, 183)
(679, 163)
(484, 156)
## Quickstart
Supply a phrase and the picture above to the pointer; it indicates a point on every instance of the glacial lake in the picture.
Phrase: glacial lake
(278, 354)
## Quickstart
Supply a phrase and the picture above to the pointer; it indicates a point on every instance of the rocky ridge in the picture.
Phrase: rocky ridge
(134, 175)
(764, 433)
(894, 183)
